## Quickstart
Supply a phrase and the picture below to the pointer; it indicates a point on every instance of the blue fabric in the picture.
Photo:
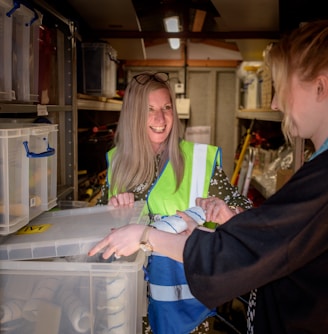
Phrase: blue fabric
(158, 265)
(183, 315)
(323, 148)
(173, 317)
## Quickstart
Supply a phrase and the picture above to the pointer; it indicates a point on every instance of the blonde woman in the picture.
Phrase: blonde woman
(152, 163)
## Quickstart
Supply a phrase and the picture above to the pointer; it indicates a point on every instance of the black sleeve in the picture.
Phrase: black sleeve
(262, 244)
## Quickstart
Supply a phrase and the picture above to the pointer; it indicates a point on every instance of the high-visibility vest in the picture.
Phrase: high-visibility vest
(172, 308)
(200, 156)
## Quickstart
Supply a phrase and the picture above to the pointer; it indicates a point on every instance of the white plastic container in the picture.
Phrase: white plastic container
(14, 187)
(198, 134)
(6, 25)
(252, 91)
(99, 69)
(73, 293)
(42, 167)
(28, 173)
(23, 54)
(68, 205)
(34, 59)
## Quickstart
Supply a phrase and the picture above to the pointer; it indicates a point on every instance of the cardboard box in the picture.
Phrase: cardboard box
(283, 175)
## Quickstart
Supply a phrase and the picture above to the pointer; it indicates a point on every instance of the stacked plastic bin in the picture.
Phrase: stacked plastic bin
(19, 45)
(57, 289)
(28, 173)
(14, 188)
(99, 69)
(6, 28)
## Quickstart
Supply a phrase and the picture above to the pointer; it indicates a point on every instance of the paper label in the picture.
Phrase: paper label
(42, 110)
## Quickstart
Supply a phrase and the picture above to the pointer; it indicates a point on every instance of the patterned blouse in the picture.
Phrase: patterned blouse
(220, 187)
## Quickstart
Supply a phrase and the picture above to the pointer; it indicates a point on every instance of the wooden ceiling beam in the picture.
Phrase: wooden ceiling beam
(220, 44)
(198, 20)
(187, 34)
(181, 62)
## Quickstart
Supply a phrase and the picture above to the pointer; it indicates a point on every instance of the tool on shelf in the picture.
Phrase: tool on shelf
(242, 153)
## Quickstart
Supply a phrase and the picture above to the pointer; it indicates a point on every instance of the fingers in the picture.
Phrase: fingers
(216, 210)
(122, 241)
(190, 222)
(113, 201)
(199, 201)
(184, 216)
(106, 245)
(213, 208)
(100, 246)
(208, 204)
(209, 201)
(123, 199)
(126, 199)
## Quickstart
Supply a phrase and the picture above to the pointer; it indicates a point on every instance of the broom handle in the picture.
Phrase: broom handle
(242, 153)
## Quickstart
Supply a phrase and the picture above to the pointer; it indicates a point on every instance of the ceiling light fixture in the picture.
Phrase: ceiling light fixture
(171, 24)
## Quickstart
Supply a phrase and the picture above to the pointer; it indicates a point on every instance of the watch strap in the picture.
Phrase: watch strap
(145, 245)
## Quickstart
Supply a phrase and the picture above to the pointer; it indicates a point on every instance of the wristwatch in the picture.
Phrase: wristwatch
(145, 245)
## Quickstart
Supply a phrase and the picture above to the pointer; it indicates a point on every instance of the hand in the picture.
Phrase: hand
(191, 224)
(122, 241)
(123, 199)
(216, 210)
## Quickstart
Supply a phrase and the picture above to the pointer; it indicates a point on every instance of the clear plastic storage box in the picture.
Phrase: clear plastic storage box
(25, 54)
(67, 205)
(41, 151)
(70, 292)
(99, 69)
(19, 52)
(14, 170)
(6, 28)
(21, 48)
(28, 173)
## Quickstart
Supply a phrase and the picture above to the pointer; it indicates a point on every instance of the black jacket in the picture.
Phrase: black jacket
(280, 248)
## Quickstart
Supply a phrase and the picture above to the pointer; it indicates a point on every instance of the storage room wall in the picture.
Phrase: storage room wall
(212, 95)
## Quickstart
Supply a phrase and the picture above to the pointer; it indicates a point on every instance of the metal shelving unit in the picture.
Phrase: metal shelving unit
(83, 104)
(8, 108)
(267, 115)
(65, 111)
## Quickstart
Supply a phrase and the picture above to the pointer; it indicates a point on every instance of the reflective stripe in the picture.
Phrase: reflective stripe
(170, 293)
(198, 173)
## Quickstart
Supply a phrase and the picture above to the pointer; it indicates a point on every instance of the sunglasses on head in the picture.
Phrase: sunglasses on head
(144, 78)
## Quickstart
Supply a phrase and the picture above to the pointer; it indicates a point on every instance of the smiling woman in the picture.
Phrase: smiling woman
(160, 118)
(151, 162)
(148, 133)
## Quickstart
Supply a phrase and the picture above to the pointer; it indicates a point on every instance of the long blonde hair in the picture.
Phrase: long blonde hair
(133, 161)
(304, 52)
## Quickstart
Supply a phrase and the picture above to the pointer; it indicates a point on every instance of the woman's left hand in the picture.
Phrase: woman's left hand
(122, 241)
(216, 210)
(122, 199)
